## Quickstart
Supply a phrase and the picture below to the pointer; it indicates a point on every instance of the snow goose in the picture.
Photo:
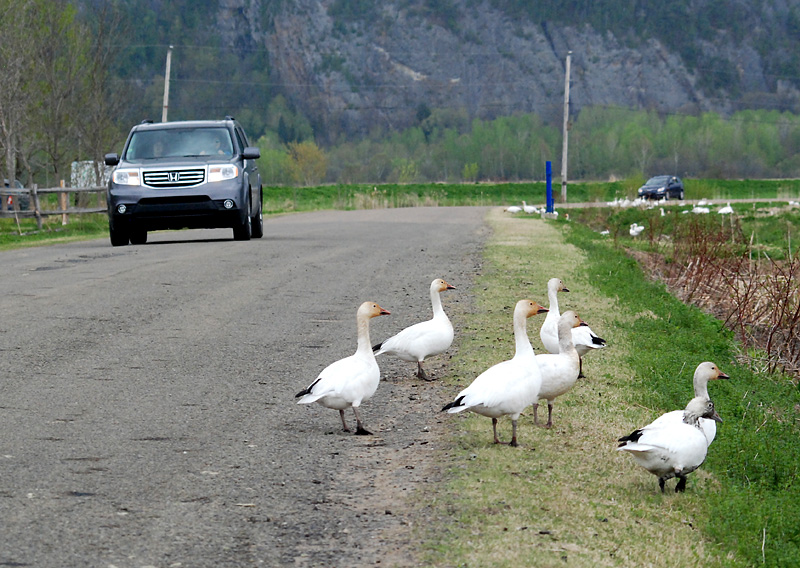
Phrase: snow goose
(507, 388)
(583, 337)
(559, 371)
(675, 449)
(727, 210)
(423, 339)
(706, 371)
(636, 229)
(530, 209)
(350, 381)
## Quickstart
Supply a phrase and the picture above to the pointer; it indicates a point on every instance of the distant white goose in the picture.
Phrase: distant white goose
(673, 449)
(529, 208)
(699, 210)
(706, 371)
(559, 371)
(513, 208)
(727, 210)
(507, 388)
(636, 229)
(423, 339)
(348, 382)
(583, 337)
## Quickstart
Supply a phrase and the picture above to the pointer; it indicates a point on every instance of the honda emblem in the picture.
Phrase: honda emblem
(174, 177)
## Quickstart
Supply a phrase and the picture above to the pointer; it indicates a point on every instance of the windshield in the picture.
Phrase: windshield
(179, 143)
(658, 180)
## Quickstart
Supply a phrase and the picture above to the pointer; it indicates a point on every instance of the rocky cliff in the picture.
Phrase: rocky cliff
(352, 74)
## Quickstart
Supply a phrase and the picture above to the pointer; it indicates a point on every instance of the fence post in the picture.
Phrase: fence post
(37, 209)
(63, 201)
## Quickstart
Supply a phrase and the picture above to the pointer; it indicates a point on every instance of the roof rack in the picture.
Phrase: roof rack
(147, 121)
(229, 117)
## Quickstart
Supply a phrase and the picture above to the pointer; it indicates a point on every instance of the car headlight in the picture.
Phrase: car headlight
(220, 173)
(662, 189)
(127, 177)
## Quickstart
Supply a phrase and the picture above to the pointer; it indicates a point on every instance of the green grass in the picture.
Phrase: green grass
(566, 496)
(279, 200)
(26, 233)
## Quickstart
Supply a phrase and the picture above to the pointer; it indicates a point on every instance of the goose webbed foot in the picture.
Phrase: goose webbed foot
(360, 430)
(421, 374)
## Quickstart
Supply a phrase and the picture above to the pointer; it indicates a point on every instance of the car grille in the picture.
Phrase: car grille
(175, 178)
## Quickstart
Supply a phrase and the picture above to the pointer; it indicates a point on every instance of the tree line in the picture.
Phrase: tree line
(604, 143)
(57, 103)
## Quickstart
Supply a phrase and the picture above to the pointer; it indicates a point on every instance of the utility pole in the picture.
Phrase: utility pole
(566, 133)
(166, 86)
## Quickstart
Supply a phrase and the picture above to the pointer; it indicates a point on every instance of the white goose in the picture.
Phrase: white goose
(513, 209)
(507, 388)
(674, 449)
(529, 209)
(727, 210)
(636, 229)
(348, 382)
(583, 337)
(559, 372)
(706, 371)
(425, 338)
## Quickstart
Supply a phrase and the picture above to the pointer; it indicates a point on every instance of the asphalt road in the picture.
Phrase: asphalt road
(147, 394)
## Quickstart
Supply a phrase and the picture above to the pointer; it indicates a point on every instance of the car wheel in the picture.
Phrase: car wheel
(138, 236)
(119, 237)
(257, 223)
(244, 230)
(680, 195)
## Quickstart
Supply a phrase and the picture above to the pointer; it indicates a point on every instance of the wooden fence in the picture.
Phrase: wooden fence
(71, 200)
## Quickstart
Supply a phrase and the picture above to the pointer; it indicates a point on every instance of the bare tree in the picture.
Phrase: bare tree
(16, 55)
(103, 102)
(60, 52)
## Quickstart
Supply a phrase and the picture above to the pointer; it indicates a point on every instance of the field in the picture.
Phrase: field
(566, 495)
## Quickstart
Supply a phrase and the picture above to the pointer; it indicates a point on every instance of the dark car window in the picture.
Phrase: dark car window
(179, 142)
(242, 139)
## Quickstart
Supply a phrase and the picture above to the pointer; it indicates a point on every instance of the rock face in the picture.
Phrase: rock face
(350, 75)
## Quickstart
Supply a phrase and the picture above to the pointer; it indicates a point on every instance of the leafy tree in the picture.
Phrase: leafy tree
(307, 164)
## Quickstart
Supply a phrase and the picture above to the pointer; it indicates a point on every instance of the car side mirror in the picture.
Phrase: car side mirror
(112, 159)
(251, 153)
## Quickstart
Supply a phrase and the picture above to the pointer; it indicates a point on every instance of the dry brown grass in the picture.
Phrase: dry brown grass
(565, 497)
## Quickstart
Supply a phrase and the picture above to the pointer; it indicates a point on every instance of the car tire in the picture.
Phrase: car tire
(680, 195)
(257, 222)
(244, 230)
(119, 237)
(138, 236)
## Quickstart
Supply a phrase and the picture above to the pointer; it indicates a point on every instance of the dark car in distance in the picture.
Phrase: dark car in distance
(662, 187)
(199, 174)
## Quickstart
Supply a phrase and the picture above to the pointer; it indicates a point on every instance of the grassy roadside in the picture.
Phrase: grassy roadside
(566, 496)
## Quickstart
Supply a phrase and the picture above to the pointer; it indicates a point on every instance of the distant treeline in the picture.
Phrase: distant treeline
(604, 143)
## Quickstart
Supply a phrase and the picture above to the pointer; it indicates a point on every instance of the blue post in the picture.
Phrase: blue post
(549, 176)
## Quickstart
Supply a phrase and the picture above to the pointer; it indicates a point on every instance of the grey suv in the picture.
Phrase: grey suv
(198, 174)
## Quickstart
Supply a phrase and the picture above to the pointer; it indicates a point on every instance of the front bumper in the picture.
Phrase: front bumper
(209, 206)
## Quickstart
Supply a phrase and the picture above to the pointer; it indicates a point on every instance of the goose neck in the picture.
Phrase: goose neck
(521, 340)
(700, 386)
(436, 303)
(362, 326)
(552, 297)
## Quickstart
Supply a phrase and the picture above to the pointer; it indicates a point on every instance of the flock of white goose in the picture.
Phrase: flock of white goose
(673, 445)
